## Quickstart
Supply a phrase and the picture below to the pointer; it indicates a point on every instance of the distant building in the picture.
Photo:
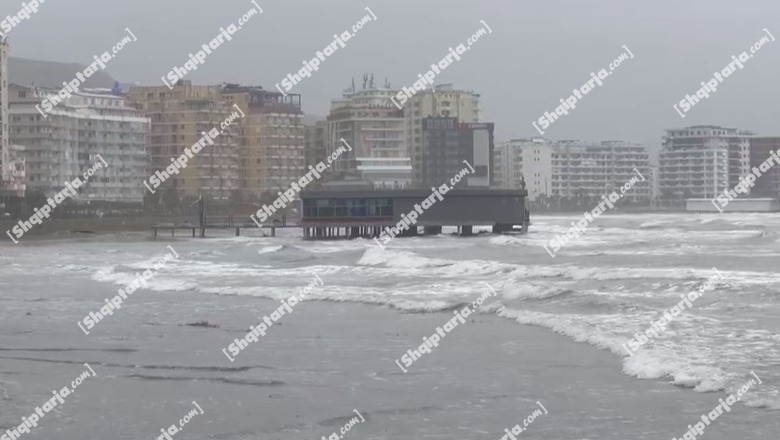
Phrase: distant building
(4, 110)
(768, 185)
(525, 163)
(386, 172)
(702, 161)
(746, 204)
(271, 138)
(590, 170)
(443, 101)
(15, 168)
(315, 145)
(446, 143)
(178, 118)
(573, 169)
(372, 125)
(63, 145)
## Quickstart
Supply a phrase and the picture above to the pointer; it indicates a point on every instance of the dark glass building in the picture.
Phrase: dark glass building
(446, 143)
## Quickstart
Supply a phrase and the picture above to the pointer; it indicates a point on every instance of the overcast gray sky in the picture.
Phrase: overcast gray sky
(538, 52)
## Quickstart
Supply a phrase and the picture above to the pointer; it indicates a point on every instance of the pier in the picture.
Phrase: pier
(215, 223)
(331, 214)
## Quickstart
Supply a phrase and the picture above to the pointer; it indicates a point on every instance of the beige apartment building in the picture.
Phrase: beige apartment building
(179, 116)
(262, 151)
(271, 139)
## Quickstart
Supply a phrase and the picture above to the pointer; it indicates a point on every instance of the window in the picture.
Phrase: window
(348, 208)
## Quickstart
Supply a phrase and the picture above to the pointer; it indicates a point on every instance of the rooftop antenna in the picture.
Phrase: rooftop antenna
(353, 83)
(371, 84)
(365, 80)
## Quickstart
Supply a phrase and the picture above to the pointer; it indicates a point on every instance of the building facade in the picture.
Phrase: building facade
(442, 101)
(315, 141)
(5, 140)
(179, 116)
(271, 139)
(371, 124)
(63, 145)
(573, 170)
(701, 162)
(768, 185)
(590, 170)
(16, 172)
(525, 164)
(446, 143)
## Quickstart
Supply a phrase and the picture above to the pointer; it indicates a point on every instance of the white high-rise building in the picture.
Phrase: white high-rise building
(525, 163)
(573, 169)
(372, 125)
(63, 145)
(590, 170)
(702, 161)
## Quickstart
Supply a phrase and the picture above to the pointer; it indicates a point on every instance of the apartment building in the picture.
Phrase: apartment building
(374, 127)
(525, 163)
(315, 139)
(4, 111)
(446, 143)
(16, 183)
(702, 161)
(590, 170)
(271, 139)
(63, 145)
(573, 169)
(179, 116)
(442, 101)
(768, 185)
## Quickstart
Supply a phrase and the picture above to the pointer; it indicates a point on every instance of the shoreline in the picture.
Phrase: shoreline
(486, 375)
(81, 228)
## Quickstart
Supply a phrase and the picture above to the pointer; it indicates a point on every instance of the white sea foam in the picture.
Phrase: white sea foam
(269, 249)
(601, 297)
